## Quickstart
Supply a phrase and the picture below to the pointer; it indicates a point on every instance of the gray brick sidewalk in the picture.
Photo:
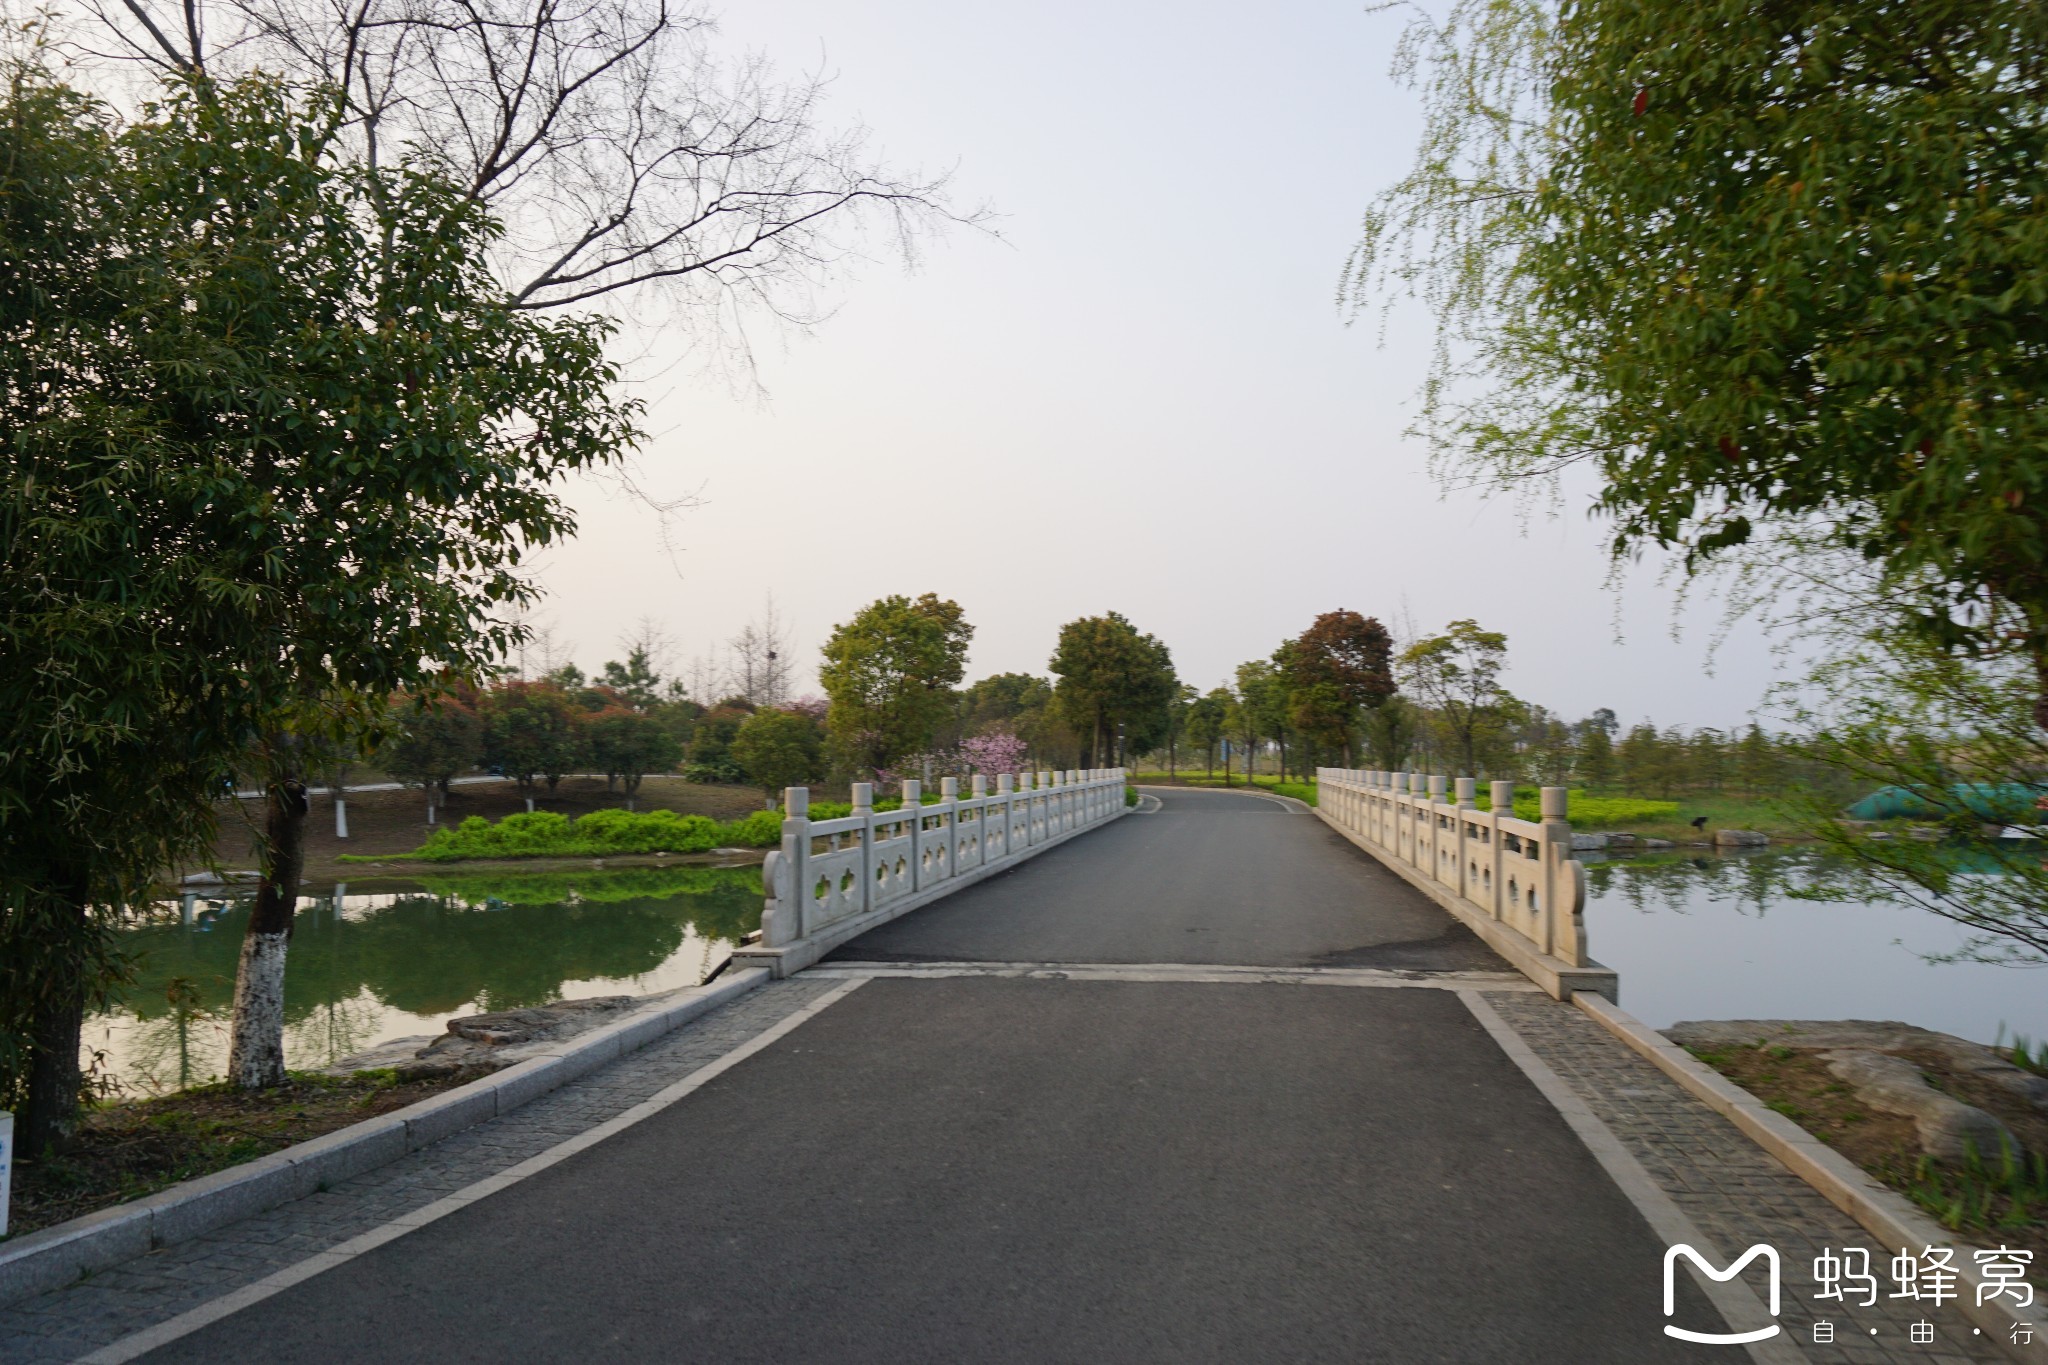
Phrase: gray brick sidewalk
(1735, 1192)
(71, 1322)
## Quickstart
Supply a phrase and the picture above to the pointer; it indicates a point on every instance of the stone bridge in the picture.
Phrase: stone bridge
(1030, 1075)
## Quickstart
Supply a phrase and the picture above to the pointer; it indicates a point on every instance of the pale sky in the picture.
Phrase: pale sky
(1143, 398)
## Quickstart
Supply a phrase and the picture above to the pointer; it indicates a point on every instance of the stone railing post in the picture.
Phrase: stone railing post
(1468, 801)
(1439, 788)
(913, 805)
(789, 883)
(1006, 787)
(864, 810)
(1558, 888)
(949, 797)
(1502, 796)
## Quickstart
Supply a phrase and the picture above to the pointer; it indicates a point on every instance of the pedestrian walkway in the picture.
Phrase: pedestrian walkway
(1207, 1085)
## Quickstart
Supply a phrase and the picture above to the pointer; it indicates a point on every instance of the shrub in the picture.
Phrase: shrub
(549, 834)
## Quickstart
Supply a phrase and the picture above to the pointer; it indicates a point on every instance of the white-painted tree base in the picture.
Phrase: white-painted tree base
(256, 1049)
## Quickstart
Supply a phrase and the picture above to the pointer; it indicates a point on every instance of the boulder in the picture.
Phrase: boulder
(1658, 843)
(489, 1042)
(1588, 843)
(1740, 838)
(1877, 1058)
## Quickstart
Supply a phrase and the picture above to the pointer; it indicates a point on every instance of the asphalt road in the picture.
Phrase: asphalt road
(1024, 1170)
(1212, 877)
(1003, 1170)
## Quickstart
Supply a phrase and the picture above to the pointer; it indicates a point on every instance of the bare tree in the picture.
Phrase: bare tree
(616, 146)
(761, 666)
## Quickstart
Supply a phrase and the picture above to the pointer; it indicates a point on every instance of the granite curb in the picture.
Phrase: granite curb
(54, 1257)
(1884, 1213)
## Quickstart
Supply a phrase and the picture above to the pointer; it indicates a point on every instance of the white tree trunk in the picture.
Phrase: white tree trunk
(256, 1051)
(340, 816)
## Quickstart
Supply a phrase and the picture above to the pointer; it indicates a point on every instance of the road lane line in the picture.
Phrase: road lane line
(139, 1343)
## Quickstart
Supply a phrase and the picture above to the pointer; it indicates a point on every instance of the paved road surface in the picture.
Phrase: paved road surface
(1003, 1169)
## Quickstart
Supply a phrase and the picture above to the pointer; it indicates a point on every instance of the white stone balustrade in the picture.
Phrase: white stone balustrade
(833, 879)
(1513, 881)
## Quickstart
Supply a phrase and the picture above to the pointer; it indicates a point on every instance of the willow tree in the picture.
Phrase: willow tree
(1770, 269)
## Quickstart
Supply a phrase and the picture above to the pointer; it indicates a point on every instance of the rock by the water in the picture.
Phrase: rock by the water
(490, 1042)
(1876, 1057)
(1588, 843)
(1658, 843)
(1740, 838)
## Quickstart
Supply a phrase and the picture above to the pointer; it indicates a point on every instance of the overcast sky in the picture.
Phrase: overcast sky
(1142, 398)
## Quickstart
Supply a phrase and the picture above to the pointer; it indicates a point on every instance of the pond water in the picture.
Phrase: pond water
(1705, 935)
(373, 961)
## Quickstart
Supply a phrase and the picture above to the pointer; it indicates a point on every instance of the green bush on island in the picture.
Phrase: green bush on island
(550, 834)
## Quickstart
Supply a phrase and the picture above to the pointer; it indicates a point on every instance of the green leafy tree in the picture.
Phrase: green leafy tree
(779, 749)
(1341, 665)
(1756, 768)
(1261, 706)
(889, 673)
(113, 712)
(1457, 675)
(1595, 759)
(1391, 729)
(1208, 722)
(1114, 686)
(1777, 272)
(432, 740)
(626, 745)
(711, 757)
(531, 731)
(634, 681)
(365, 484)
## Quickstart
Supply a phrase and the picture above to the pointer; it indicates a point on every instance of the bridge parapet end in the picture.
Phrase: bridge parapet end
(1512, 880)
(833, 879)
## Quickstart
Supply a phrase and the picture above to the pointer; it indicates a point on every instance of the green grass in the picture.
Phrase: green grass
(550, 834)
(1588, 810)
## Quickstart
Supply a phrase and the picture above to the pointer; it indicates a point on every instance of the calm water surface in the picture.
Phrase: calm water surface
(1716, 936)
(373, 961)
(1695, 936)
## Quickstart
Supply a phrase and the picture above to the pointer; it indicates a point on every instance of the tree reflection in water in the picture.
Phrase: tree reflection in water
(384, 964)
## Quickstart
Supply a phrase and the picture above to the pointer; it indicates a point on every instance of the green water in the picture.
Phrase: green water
(374, 961)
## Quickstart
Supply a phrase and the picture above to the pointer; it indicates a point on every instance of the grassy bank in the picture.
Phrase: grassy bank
(2006, 1199)
(128, 1149)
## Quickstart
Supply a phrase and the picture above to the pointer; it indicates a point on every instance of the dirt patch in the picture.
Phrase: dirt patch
(130, 1149)
(2006, 1204)
(387, 822)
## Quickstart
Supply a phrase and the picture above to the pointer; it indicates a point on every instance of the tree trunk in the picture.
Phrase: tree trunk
(256, 1049)
(54, 1079)
(56, 1029)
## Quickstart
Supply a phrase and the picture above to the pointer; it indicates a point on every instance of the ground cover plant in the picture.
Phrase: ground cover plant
(550, 834)
(2003, 1196)
(131, 1148)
